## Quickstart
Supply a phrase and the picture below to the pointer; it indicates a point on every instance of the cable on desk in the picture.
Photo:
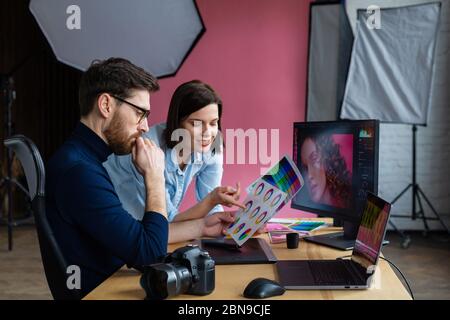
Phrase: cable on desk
(392, 264)
(404, 278)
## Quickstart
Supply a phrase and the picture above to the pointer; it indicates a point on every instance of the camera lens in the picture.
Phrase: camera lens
(165, 279)
(188, 270)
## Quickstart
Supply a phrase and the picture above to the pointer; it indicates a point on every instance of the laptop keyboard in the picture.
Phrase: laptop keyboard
(331, 273)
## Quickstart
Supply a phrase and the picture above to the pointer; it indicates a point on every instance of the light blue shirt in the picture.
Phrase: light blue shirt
(129, 183)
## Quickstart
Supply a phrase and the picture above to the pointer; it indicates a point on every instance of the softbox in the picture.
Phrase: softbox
(391, 68)
(330, 47)
(156, 35)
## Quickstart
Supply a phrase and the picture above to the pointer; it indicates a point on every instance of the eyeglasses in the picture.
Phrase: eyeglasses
(145, 112)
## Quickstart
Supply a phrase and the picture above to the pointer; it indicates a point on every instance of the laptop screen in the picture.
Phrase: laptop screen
(371, 231)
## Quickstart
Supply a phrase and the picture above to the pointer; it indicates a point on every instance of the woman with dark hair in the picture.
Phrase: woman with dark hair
(325, 169)
(192, 143)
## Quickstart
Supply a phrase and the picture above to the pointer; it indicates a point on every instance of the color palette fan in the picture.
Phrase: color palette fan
(285, 176)
(266, 196)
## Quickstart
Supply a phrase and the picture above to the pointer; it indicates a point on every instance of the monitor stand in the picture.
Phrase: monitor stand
(335, 240)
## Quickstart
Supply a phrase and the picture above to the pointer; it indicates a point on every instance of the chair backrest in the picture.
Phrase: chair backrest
(55, 265)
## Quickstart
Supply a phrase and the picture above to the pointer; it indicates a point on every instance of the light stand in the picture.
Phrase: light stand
(9, 95)
(382, 85)
(417, 194)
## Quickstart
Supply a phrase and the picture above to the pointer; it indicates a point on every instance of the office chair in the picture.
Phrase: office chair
(55, 265)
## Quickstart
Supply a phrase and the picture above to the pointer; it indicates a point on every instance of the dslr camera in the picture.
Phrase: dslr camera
(189, 270)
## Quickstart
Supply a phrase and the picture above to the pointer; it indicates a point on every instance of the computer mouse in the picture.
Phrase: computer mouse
(261, 288)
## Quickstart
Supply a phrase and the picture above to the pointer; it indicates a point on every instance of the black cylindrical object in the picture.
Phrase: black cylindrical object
(292, 240)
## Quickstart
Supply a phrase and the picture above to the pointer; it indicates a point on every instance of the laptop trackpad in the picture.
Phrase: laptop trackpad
(294, 273)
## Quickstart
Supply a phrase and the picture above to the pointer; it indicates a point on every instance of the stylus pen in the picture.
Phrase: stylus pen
(228, 246)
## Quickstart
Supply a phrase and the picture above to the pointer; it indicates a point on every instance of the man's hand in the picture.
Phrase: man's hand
(227, 196)
(148, 159)
(215, 225)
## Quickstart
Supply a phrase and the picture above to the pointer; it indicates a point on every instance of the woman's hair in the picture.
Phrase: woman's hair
(187, 99)
(338, 177)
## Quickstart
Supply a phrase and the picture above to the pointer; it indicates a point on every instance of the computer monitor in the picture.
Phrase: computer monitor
(339, 163)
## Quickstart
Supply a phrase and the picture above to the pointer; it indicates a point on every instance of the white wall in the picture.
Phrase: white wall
(433, 143)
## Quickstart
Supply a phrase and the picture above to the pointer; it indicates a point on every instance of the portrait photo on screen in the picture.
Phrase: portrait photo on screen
(326, 162)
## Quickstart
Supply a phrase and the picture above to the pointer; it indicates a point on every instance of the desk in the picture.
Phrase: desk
(232, 279)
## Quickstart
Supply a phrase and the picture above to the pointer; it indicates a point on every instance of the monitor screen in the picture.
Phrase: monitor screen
(371, 231)
(339, 163)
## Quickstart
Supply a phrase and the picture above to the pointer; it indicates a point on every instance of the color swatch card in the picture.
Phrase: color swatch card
(260, 205)
(285, 176)
(307, 226)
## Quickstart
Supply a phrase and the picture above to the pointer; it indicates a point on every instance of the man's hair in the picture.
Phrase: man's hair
(115, 76)
(188, 98)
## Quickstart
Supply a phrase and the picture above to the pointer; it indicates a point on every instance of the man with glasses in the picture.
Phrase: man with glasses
(89, 223)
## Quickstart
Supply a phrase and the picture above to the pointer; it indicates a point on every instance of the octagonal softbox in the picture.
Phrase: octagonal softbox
(154, 34)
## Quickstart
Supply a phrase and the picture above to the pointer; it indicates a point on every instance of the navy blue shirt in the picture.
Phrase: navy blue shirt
(91, 227)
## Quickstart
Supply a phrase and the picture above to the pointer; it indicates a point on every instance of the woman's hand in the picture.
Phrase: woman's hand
(216, 224)
(227, 196)
(261, 230)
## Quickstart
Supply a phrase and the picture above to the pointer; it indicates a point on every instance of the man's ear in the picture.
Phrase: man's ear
(104, 105)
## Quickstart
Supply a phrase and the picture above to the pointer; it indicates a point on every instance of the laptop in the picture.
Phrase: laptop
(354, 273)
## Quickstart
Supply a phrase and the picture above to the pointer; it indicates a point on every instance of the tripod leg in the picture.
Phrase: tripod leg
(432, 209)
(20, 186)
(401, 193)
(10, 218)
(25, 191)
(422, 213)
(406, 240)
(2, 199)
(2, 184)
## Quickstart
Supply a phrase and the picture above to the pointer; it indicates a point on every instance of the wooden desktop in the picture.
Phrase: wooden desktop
(231, 280)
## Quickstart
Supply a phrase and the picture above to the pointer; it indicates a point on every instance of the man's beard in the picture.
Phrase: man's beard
(118, 140)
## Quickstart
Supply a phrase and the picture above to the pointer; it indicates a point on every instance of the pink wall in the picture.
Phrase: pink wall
(254, 53)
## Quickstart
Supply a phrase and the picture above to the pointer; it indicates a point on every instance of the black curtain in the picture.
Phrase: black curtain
(46, 109)
(46, 106)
